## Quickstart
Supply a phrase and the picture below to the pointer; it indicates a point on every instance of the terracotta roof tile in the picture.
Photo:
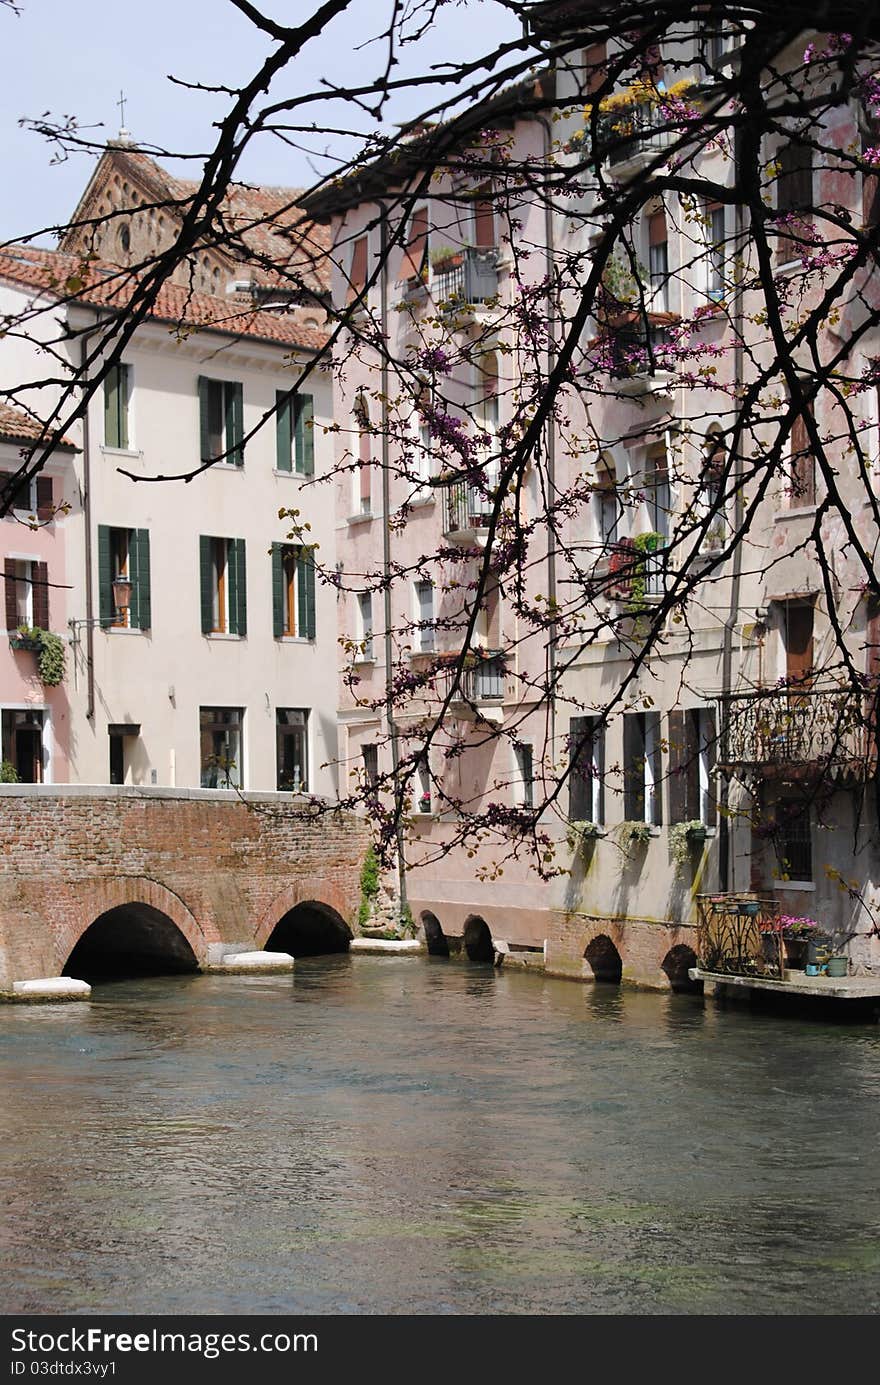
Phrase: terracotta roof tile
(103, 285)
(17, 426)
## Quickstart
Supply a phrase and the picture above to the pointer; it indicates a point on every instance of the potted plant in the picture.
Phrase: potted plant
(8, 773)
(683, 836)
(25, 638)
(582, 835)
(632, 836)
(797, 932)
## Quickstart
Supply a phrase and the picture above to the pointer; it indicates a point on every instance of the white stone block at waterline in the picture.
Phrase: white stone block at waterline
(250, 964)
(47, 989)
(395, 947)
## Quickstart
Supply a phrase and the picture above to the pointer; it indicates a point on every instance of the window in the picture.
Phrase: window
(221, 414)
(224, 586)
(423, 785)
(797, 633)
(370, 754)
(658, 249)
(295, 433)
(710, 501)
(293, 591)
(220, 747)
(425, 616)
(692, 741)
(292, 740)
(794, 840)
(484, 218)
(607, 506)
(715, 254)
(27, 593)
(423, 459)
(124, 553)
(642, 768)
(659, 491)
(794, 197)
(33, 497)
(415, 256)
(363, 476)
(21, 734)
(365, 620)
(525, 789)
(595, 68)
(357, 275)
(802, 486)
(117, 390)
(586, 775)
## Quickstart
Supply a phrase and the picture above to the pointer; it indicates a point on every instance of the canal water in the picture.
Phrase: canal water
(383, 1135)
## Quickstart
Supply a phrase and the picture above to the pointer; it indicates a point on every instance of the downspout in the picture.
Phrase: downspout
(725, 860)
(87, 522)
(386, 549)
(551, 441)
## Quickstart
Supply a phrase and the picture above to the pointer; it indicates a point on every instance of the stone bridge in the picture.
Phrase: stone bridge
(105, 879)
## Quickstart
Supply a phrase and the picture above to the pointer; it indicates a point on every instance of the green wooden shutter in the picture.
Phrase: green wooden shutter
(238, 598)
(122, 404)
(111, 408)
(139, 571)
(710, 744)
(206, 570)
(305, 434)
(277, 591)
(234, 422)
(232, 585)
(204, 453)
(105, 576)
(652, 722)
(305, 594)
(282, 431)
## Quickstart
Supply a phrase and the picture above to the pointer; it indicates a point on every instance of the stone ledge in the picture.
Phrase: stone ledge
(827, 987)
(48, 989)
(152, 791)
(250, 964)
(395, 947)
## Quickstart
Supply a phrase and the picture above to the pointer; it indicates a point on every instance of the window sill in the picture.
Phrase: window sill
(806, 886)
(289, 639)
(121, 629)
(222, 466)
(222, 635)
(121, 451)
(802, 512)
(360, 519)
(420, 501)
(285, 475)
(364, 663)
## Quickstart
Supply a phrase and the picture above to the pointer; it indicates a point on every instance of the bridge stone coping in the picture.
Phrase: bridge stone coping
(400, 947)
(47, 988)
(161, 791)
(250, 963)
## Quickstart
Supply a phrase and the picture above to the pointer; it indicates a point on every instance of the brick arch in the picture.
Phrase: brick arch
(102, 896)
(313, 891)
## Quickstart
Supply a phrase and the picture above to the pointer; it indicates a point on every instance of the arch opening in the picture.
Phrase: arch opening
(676, 965)
(478, 940)
(310, 929)
(130, 940)
(435, 938)
(604, 960)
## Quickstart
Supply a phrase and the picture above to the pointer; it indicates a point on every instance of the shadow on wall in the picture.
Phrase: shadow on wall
(604, 960)
(130, 940)
(311, 929)
(435, 938)
(478, 940)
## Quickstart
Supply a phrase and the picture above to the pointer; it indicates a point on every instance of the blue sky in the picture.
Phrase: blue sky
(72, 57)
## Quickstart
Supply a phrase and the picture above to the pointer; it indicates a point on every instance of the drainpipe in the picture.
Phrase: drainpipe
(87, 522)
(725, 860)
(551, 438)
(386, 545)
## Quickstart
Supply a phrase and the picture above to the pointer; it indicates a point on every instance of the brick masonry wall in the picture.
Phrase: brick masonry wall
(222, 869)
(643, 946)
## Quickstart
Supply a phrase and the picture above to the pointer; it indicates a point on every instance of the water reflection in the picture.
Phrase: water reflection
(397, 1135)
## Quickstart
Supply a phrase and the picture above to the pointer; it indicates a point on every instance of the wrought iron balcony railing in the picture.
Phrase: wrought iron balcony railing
(481, 681)
(636, 131)
(466, 510)
(469, 275)
(638, 349)
(795, 725)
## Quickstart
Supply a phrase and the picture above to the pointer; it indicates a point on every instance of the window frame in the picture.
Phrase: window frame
(219, 725)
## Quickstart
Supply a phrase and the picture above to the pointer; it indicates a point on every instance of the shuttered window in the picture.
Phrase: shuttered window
(293, 591)
(221, 421)
(692, 748)
(484, 219)
(802, 490)
(642, 768)
(415, 257)
(595, 67)
(358, 272)
(223, 577)
(117, 389)
(295, 433)
(794, 197)
(27, 593)
(586, 786)
(124, 553)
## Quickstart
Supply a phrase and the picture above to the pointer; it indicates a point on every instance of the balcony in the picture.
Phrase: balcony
(479, 692)
(465, 279)
(466, 513)
(638, 352)
(796, 731)
(633, 135)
